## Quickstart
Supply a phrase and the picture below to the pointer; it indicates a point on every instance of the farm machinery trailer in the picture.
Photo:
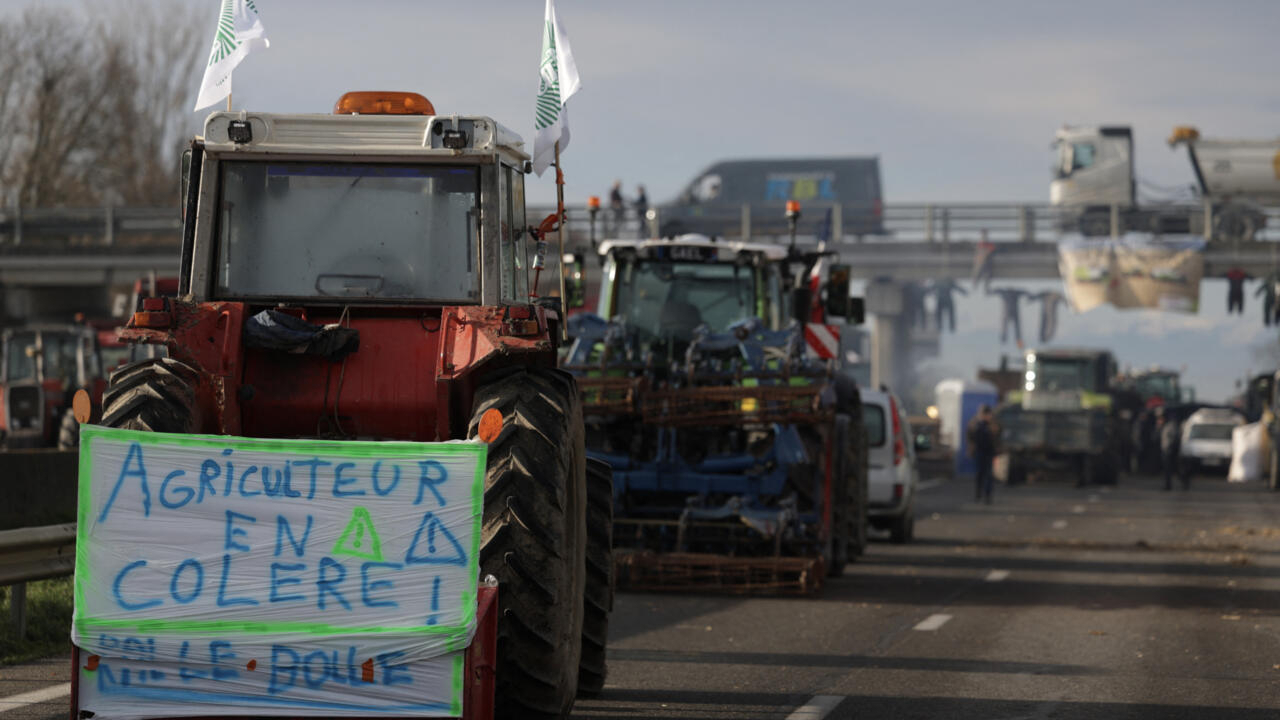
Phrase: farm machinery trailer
(739, 461)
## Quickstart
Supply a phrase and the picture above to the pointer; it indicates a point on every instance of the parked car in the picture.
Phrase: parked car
(891, 456)
(1206, 440)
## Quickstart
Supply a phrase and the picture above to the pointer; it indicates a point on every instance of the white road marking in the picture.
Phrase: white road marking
(1059, 524)
(818, 707)
(997, 575)
(21, 700)
(930, 484)
(1077, 509)
(933, 622)
(1094, 498)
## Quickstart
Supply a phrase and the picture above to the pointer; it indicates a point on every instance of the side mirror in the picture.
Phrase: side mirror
(575, 280)
(837, 303)
(801, 299)
(923, 443)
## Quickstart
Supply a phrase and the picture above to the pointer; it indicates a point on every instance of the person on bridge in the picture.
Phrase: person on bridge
(1049, 301)
(944, 304)
(982, 445)
(617, 207)
(1010, 315)
(641, 205)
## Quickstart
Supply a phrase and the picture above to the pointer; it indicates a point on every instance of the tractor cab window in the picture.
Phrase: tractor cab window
(515, 260)
(346, 231)
(1062, 374)
(661, 298)
(20, 359)
(59, 355)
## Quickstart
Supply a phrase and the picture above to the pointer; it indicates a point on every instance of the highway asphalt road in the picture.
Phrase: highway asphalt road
(1053, 602)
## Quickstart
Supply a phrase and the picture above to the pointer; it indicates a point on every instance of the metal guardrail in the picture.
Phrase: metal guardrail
(30, 554)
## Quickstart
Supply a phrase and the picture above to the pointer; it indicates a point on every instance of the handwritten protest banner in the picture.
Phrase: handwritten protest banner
(216, 574)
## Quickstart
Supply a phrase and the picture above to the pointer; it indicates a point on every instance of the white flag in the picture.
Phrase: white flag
(558, 82)
(239, 31)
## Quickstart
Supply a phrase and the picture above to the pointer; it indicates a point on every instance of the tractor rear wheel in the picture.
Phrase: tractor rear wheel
(156, 394)
(599, 593)
(69, 431)
(534, 536)
(837, 555)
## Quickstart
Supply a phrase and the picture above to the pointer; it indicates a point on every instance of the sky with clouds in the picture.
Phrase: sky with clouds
(959, 101)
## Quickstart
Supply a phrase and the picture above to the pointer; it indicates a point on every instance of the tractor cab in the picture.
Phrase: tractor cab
(662, 294)
(328, 235)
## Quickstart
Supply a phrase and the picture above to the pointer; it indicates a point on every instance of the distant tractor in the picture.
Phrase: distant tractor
(44, 366)
(367, 275)
(739, 461)
(1065, 417)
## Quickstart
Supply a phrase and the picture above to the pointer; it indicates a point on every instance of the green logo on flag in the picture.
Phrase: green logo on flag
(547, 107)
(224, 39)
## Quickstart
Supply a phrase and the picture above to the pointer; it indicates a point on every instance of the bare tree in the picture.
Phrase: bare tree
(90, 108)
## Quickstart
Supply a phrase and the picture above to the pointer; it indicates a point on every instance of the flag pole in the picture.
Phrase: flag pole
(228, 93)
(564, 301)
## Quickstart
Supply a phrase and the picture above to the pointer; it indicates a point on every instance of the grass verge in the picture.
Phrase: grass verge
(48, 622)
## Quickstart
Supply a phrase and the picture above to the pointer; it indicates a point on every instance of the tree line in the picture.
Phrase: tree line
(95, 103)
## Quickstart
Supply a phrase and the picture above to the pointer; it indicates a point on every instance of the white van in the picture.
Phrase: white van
(1206, 440)
(891, 457)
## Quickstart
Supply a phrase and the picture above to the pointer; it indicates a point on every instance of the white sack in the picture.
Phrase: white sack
(1246, 452)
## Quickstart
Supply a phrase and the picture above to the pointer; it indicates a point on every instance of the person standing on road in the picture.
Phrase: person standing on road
(982, 444)
(1170, 447)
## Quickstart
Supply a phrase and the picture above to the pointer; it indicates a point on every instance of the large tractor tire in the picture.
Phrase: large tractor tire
(592, 668)
(534, 537)
(837, 555)
(157, 394)
(849, 402)
(69, 431)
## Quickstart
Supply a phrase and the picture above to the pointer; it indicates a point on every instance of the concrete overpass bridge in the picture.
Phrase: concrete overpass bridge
(56, 262)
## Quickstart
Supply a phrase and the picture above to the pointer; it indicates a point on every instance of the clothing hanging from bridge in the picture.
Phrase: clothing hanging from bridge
(1269, 291)
(1049, 301)
(944, 303)
(1009, 312)
(983, 265)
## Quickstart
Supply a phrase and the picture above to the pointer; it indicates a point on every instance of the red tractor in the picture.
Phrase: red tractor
(367, 275)
(43, 367)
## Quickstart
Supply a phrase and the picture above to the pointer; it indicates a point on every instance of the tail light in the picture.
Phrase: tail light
(897, 492)
(899, 450)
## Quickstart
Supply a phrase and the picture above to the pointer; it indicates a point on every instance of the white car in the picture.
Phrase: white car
(891, 459)
(1206, 440)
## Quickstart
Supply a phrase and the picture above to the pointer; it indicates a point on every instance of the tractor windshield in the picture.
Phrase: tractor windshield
(348, 230)
(663, 298)
(20, 361)
(1062, 374)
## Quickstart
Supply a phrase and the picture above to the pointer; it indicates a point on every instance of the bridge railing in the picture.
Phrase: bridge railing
(125, 229)
(902, 222)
